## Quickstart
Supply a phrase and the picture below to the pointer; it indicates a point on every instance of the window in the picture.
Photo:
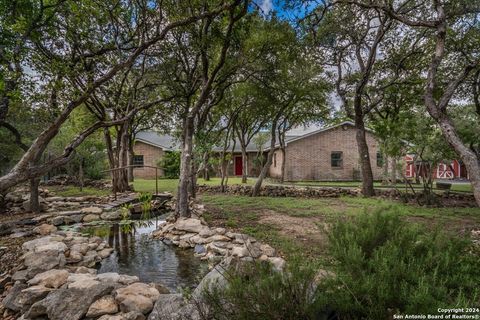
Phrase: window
(138, 160)
(275, 160)
(379, 159)
(336, 159)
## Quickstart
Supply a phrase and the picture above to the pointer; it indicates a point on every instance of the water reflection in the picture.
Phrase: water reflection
(149, 259)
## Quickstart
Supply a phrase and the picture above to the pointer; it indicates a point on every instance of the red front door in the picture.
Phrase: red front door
(238, 166)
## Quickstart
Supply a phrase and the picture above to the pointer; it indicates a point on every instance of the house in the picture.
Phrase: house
(327, 153)
(148, 149)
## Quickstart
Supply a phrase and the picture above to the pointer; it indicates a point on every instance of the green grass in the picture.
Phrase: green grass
(71, 191)
(243, 213)
(170, 185)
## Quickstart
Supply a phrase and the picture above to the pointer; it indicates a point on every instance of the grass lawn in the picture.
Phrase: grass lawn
(298, 226)
(460, 187)
(71, 191)
(170, 185)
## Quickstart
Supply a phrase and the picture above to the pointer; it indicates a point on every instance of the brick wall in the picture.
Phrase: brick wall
(151, 155)
(309, 158)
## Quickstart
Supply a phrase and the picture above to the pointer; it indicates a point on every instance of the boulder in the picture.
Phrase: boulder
(137, 303)
(82, 285)
(80, 247)
(104, 305)
(32, 244)
(38, 262)
(68, 303)
(108, 277)
(215, 278)
(30, 295)
(45, 229)
(58, 220)
(11, 300)
(240, 252)
(105, 252)
(136, 297)
(91, 217)
(52, 246)
(76, 218)
(6, 228)
(167, 307)
(111, 215)
(92, 210)
(139, 288)
(190, 225)
(50, 279)
(267, 250)
(277, 262)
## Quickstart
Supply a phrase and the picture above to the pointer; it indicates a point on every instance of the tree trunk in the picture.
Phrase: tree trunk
(193, 179)
(282, 167)
(366, 167)
(131, 178)
(80, 174)
(244, 163)
(34, 203)
(469, 158)
(385, 174)
(185, 168)
(206, 172)
(266, 166)
(393, 172)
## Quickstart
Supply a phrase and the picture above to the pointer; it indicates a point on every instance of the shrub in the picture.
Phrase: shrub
(259, 292)
(170, 163)
(385, 266)
(382, 266)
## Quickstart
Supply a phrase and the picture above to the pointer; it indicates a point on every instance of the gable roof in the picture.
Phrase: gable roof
(166, 142)
(169, 143)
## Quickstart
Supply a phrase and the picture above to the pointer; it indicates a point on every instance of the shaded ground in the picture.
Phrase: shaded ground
(300, 226)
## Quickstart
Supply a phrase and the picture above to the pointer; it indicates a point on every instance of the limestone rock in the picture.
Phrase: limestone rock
(136, 297)
(111, 215)
(215, 278)
(45, 229)
(139, 289)
(137, 303)
(50, 279)
(167, 307)
(52, 246)
(92, 210)
(11, 300)
(73, 219)
(104, 305)
(91, 217)
(277, 262)
(68, 303)
(80, 247)
(105, 252)
(108, 277)
(190, 225)
(59, 220)
(267, 250)
(38, 262)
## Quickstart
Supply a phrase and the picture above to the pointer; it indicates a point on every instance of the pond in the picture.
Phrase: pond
(150, 259)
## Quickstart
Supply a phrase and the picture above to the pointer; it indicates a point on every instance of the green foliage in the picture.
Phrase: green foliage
(145, 199)
(382, 266)
(385, 265)
(170, 163)
(257, 291)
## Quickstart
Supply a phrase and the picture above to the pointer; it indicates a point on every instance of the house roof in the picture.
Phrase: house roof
(166, 142)
(169, 143)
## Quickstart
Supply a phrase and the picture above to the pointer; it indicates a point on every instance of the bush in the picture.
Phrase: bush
(170, 163)
(386, 266)
(259, 292)
(382, 266)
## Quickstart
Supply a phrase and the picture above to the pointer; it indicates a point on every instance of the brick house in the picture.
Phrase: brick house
(328, 154)
(148, 149)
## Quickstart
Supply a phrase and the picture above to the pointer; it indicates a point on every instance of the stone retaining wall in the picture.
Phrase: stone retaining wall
(321, 192)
